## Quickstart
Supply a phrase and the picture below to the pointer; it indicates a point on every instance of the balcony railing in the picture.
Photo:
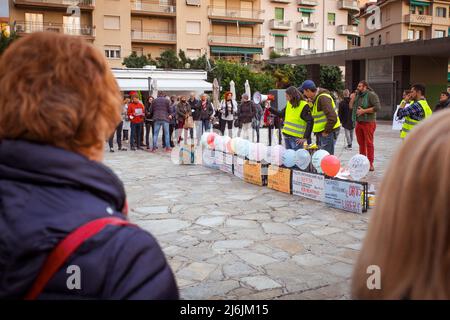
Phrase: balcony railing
(307, 2)
(302, 52)
(57, 3)
(307, 27)
(70, 29)
(153, 6)
(280, 24)
(153, 36)
(237, 40)
(348, 5)
(282, 1)
(235, 13)
(348, 30)
(419, 19)
(281, 50)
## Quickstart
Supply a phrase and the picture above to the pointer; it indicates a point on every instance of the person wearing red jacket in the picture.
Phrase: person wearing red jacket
(136, 115)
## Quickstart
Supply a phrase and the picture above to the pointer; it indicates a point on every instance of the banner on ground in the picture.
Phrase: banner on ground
(308, 185)
(209, 159)
(238, 164)
(253, 173)
(279, 179)
(187, 154)
(227, 165)
(344, 195)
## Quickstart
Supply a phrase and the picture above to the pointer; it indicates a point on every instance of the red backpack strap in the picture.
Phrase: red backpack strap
(65, 248)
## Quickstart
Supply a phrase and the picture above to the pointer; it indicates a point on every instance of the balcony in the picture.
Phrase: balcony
(280, 24)
(232, 15)
(236, 40)
(282, 51)
(23, 27)
(307, 2)
(346, 30)
(351, 5)
(151, 8)
(303, 52)
(56, 4)
(153, 36)
(419, 19)
(440, 20)
(282, 1)
(307, 27)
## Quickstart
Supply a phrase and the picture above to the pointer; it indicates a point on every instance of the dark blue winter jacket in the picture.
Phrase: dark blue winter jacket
(47, 192)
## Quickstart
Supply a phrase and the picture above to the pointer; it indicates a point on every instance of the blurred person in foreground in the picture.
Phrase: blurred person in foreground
(53, 184)
(408, 235)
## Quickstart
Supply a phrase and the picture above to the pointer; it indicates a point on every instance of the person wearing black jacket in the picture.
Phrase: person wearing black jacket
(148, 121)
(295, 98)
(345, 115)
(444, 101)
(202, 116)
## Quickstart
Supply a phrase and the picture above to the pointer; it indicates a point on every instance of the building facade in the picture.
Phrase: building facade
(231, 29)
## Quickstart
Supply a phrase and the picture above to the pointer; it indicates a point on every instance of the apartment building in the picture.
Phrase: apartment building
(299, 27)
(406, 20)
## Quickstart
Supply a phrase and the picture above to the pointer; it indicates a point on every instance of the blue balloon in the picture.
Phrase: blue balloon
(303, 158)
(243, 148)
(289, 158)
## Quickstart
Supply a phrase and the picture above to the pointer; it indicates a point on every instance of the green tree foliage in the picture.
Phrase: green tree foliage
(135, 61)
(331, 78)
(169, 60)
(7, 36)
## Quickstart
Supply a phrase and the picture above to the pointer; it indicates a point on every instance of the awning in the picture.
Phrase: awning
(279, 34)
(304, 37)
(306, 10)
(240, 50)
(419, 3)
(126, 84)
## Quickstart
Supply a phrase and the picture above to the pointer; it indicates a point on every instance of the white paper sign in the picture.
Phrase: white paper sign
(397, 124)
(308, 185)
(239, 167)
(227, 165)
(344, 195)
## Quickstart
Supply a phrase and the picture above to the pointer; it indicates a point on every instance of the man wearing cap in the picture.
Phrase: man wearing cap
(324, 111)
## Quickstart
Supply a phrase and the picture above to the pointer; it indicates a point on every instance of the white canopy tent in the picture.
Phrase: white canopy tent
(164, 85)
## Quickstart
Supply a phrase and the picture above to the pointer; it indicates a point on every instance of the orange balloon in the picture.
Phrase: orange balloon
(330, 165)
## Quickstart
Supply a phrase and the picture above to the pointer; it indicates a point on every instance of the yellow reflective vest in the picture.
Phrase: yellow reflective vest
(409, 123)
(320, 120)
(294, 125)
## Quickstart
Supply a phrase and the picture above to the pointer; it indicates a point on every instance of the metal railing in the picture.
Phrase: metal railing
(419, 19)
(237, 13)
(348, 30)
(282, 1)
(308, 2)
(153, 35)
(71, 29)
(280, 24)
(281, 50)
(307, 27)
(236, 39)
(302, 52)
(348, 5)
(153, 6)
(81, 3)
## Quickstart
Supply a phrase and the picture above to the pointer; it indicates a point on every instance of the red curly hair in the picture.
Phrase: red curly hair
(57, 89)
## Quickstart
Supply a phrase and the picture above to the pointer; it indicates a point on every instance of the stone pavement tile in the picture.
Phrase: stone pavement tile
(339, 269)
(354, 246)
(278, 228)
(196, 271)
(358, 234)
(231, 244)
(237, 270)
(204, 290)
(291, 246)
(210, 221)
(239, 223)
(260, 283)
(325, 231)
(310, 260)
(198, 253)
(253, 216)
(205, 234)
(262, 295)
(250, 234)
(158, 227)
(255, 259)
(240, 292)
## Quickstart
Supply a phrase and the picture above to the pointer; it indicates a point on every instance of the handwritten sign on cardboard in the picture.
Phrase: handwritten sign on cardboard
(279, 179)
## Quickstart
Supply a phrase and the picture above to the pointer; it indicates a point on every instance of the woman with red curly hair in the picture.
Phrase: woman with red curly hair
(62, 212)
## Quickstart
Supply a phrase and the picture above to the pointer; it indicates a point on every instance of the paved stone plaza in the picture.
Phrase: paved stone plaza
(226, 239)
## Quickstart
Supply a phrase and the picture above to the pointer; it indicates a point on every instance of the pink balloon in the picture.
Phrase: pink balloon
(330, 165)
(211, 138)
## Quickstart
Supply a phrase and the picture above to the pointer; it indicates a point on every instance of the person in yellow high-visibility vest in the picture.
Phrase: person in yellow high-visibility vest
(416, 111)
(298, 121)
(325, 114)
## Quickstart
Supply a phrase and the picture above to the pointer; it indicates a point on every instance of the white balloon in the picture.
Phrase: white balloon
(261, 152)
(303, 158)
(277, 154)
(358, 166)
(317, 159)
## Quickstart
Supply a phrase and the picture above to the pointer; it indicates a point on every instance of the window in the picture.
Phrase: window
(279, 14)
(331, 19)
(34, 22)
(388, 37)
(388, 14)
(193, 27)
(421, 10)
(419, 34)
(111, 22)
(441, 12)
(306, 17)
(193, 53)
(439, 33)
(112, 52)
(71, 25)
(138, 51)
(372, 41)
(410, 34)
(379, 39)
(330, 44)
(305, 43)
(279, 42)
(356, 41)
